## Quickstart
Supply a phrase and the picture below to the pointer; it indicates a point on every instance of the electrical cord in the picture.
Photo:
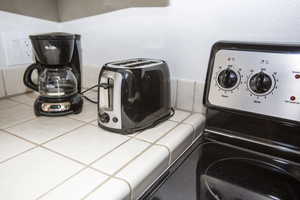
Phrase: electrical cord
(104, 85)
(87, 98)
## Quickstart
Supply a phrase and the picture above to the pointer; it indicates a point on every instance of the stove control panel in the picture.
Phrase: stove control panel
(265, 83)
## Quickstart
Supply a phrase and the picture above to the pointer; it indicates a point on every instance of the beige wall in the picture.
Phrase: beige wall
(45, 9)
(74, 9)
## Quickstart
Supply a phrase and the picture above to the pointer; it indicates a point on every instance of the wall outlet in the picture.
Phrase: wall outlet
(18, 49)
(26, 50)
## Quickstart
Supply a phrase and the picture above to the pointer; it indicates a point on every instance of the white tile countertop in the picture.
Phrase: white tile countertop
(72, 158)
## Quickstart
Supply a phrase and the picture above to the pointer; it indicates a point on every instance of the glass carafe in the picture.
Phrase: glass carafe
(57, 83)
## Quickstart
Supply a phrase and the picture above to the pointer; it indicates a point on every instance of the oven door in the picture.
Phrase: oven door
(230, 173)
(218, 171)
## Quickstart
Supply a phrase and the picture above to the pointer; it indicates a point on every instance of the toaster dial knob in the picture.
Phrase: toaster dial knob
(104, 118)
(228, 79)
(260, 83)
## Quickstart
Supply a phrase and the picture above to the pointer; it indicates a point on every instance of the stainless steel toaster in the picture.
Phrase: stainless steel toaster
(133, 95)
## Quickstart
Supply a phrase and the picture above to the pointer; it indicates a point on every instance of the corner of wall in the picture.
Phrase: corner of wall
(58, 11)
(2, 53)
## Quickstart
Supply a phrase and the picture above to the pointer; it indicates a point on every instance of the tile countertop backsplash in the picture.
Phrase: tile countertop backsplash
(72, 158)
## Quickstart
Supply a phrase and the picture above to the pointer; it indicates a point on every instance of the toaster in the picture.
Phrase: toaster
(133, 95)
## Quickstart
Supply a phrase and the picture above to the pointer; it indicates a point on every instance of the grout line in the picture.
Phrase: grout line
(8, 107)
(143, 140)
(87, 122)
(19, 154)
(95, 189)
(40, 144)
(128, 184)
(194, 96)
(138, 133)
(91, 122)
(98, 159)
(61, 183)
(173, 120)
(21, 102)
(181, 109)
(3, 81)
(63, 134)
(100, 171)
(133, 135)
(176, 92)
(194, 130)
(141, 153)
(189, 114)
(65, 156)
(19, 123)
(169, 150)
(111, 177)
(31, 142)
(178, 124)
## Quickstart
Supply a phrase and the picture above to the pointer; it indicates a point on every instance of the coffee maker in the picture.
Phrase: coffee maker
(58, 64)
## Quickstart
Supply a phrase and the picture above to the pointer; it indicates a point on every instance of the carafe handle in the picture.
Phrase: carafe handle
(27, 76)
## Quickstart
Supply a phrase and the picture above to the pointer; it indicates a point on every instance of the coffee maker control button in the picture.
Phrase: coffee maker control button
(104, 118)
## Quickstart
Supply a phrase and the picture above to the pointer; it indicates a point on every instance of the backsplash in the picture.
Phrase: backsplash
(2, 87)
(185, 94)
(11, 81)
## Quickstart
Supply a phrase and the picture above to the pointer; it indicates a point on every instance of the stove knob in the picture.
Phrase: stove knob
(260, 83)
(227, 78)
(104, 118)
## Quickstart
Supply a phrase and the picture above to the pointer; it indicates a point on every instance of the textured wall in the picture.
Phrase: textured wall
(13, 23)
(45, 9)
(184, 32)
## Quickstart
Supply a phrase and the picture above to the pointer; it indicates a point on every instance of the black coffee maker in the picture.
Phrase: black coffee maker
(58, 64)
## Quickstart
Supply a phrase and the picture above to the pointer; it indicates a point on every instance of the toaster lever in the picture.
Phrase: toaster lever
(105, 85)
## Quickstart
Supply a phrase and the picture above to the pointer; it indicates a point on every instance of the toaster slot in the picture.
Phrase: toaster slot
(128, 62)
(134, 63)
(142, 64)
(110, 82)
(106, 94)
